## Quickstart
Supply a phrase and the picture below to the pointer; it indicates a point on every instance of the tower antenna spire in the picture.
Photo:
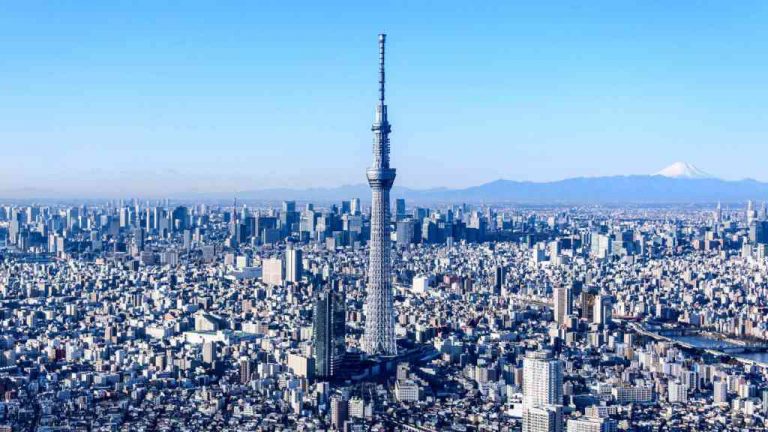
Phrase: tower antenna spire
(382, 41)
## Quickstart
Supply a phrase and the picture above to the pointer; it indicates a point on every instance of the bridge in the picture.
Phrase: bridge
(678, 332)
(717, 347)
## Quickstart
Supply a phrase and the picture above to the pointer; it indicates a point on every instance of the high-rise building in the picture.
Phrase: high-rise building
(547, 418)
(245, 370)
(379, 337)
(587, 302)
(720, 392)
(399, 208)
(758, 232)
(542, 379)
(339, 412)
(354, 206)
(751, 212)
(563, 303)
(677, 392)
(289, 206)
(293, 264)
(542, 392)
(602, 309)
(272, 271)
(499, 274)
(329, 330)
(209, 352)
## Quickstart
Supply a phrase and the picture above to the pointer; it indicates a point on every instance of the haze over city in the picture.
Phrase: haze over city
(154, 99)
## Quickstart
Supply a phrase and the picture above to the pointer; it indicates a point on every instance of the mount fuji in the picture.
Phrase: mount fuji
(684, 170)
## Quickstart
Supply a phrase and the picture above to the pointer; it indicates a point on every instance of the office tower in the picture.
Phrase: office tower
(138, 238)
(543, 419)
(245, 370)
(209, 352)
(272, 271)
(588, 298)
(288, 217)
(499, 274)
(148, 219)
(339, 411)
(563, 303)
(329, 330)
(72, 215)
(234, 227)
(405, 232)
(751, 213)
(542, 379)
(602, 246)
(354, 206)
(400, 208)
(379, 337)
(602, 310)
(758, 232)
(293, 264)
(125, 217)
(179, 218)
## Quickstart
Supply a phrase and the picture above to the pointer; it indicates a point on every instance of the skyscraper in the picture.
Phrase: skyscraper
(379, 337)
(542, 392)
(293, 264)
(563, 303)
(399, 208)
(542, 379)
(245, 370)
(354, 206)
(209, 352)
(328, 329)
(499, 274)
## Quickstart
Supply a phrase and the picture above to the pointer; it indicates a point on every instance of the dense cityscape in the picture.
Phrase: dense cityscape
(147, 315)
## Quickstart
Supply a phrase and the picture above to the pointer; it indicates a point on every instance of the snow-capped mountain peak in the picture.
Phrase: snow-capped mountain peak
(683, 170)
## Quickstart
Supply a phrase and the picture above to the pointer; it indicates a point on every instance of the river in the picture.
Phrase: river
(705, 342)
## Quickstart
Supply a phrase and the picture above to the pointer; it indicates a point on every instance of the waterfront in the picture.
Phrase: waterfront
(705, 343)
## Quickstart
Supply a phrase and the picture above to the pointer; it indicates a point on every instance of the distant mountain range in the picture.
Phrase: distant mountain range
(678, 183)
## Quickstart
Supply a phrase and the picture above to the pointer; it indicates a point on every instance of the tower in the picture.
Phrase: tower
(379, 337)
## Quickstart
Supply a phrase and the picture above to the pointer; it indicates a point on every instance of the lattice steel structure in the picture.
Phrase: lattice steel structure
(379, 337)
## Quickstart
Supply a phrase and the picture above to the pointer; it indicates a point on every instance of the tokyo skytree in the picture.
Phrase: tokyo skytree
(379, 338)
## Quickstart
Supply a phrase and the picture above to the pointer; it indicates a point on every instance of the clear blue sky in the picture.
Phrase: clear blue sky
(157, 97)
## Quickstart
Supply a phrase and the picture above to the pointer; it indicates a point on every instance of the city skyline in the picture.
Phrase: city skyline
(157, 100)
(177, 253)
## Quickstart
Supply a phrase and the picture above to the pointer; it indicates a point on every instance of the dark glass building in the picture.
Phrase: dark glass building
(329, 330)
